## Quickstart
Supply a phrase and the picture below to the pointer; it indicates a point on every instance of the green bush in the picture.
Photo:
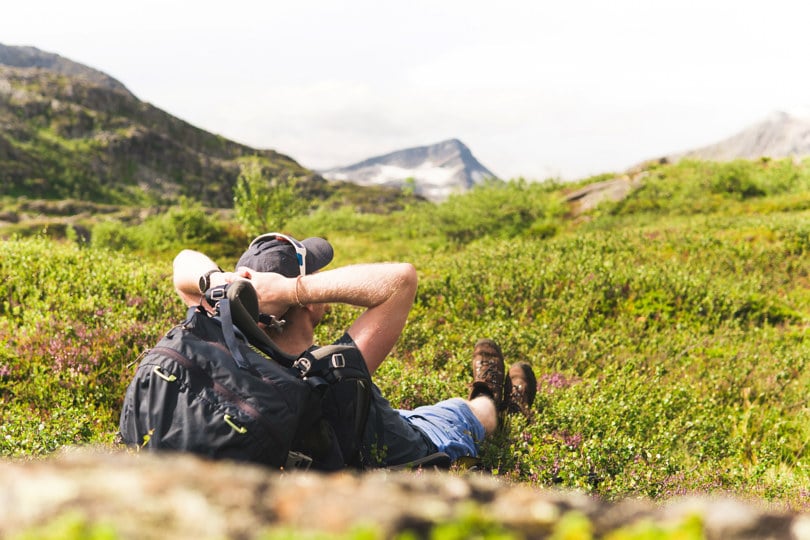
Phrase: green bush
(500, 210)
(705, 187)
(264, 203)
(114, 235)
(71, 321)
(178, 227)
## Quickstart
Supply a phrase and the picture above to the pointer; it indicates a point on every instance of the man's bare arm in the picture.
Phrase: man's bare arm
(386, 290)
(188, 266)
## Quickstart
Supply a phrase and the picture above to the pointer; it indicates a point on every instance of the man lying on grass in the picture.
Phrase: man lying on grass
(292, 287)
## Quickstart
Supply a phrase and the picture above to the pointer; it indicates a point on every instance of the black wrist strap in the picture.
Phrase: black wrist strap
(205, 279)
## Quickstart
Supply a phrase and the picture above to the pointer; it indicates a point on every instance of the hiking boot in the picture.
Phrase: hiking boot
(488, 371)
(523, 388)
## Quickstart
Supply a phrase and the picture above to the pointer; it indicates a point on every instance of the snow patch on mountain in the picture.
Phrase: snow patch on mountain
(437, 170)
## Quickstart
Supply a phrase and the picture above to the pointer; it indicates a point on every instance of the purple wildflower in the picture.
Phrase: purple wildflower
(553, 381)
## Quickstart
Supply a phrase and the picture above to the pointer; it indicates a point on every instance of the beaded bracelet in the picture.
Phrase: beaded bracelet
(298, 298)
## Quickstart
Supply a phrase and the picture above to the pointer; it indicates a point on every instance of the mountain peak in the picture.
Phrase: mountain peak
(31, 57)
(781, 134)
(797, 113)
(438, 170)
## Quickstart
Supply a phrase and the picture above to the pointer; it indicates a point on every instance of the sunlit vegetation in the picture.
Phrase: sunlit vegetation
(668, 331)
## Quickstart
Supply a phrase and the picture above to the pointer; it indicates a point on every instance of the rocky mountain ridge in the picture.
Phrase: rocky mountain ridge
(782, 134)
(436, 170)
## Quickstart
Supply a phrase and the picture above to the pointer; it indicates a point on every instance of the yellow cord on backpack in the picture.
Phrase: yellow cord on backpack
(236, 428)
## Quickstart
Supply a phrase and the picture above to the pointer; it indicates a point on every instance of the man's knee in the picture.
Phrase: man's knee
(483, 407)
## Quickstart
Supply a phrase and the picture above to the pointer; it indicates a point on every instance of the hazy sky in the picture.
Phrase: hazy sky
(535, 88)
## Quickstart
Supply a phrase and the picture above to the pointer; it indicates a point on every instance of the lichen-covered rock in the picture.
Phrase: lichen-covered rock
(148, 496)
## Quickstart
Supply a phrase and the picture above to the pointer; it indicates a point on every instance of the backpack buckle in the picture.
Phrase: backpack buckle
(338, 361)
(217, 293)
(303, 364)
(297, 460)
(214, 295)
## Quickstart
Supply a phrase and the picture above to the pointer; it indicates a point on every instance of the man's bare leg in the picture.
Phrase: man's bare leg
(484, 410)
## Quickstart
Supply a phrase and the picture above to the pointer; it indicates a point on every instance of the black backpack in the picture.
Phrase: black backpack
(219, 387)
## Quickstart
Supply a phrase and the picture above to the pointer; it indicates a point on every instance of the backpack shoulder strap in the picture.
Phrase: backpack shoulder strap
(238, 305)
(331, 362)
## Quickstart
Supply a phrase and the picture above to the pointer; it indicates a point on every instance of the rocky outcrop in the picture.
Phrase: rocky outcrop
(589, 197)
(149, 496)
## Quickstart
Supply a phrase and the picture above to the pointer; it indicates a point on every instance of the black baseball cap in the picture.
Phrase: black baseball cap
(283, 254)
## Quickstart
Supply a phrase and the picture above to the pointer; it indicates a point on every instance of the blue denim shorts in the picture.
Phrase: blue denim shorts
(450, 425)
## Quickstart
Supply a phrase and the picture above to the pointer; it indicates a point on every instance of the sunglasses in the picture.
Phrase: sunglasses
(300, 250)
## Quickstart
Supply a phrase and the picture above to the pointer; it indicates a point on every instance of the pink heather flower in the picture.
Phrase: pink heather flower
(571, 441)
(554, 381)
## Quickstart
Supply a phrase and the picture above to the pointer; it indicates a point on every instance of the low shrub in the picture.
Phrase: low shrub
(670, 351)
(72, 320)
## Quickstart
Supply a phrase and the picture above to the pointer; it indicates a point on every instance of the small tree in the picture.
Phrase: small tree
(265, 204)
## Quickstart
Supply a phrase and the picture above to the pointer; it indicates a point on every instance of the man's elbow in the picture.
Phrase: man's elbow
(184, 257)
(408, 277)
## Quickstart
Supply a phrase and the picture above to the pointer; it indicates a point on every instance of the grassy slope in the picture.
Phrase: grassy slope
(668, 332)
(68, 137)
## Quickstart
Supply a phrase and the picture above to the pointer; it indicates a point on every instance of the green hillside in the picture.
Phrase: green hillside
(68, 137)
(75, 144)
(668, 330)
(69, 132)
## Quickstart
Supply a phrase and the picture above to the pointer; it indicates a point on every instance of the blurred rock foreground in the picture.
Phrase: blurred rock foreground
(149, 496)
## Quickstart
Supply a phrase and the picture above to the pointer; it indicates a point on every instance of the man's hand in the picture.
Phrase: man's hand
(386, 290)
(276, 292)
